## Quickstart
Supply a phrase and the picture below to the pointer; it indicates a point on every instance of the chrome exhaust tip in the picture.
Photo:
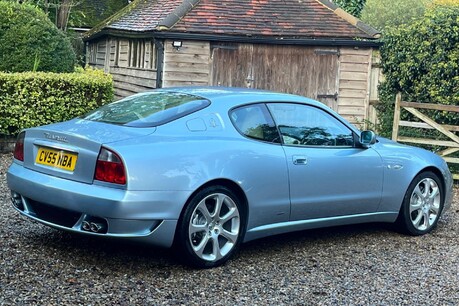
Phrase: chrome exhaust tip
(16, 199)
(86, 226)
(95, 227)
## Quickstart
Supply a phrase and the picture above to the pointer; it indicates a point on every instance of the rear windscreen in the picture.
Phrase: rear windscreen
(148, 109)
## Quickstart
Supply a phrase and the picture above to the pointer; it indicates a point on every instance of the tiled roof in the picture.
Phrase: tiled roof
(290, 18)
(303, 19)
(144, 15)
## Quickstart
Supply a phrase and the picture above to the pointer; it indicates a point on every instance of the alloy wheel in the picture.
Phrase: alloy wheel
(214, 227)
(425, 204)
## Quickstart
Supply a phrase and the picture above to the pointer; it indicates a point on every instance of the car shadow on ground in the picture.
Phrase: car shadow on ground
(88, 250)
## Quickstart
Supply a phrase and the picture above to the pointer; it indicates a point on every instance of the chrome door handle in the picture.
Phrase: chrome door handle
(300, 160)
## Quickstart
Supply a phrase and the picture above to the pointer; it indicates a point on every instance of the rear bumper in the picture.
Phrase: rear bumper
(147, 216)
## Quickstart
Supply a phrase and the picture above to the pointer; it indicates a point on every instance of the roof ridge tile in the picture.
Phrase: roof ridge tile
(177, 14)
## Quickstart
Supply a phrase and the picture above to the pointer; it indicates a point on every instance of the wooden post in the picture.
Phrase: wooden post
(398, 100)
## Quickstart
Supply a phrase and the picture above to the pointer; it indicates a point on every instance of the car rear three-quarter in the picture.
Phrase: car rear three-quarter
(72, 176)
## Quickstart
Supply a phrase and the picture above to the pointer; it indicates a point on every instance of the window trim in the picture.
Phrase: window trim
(266, 111)
(354, 135)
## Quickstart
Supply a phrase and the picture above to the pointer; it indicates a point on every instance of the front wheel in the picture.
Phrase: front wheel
(422, 205)
(211, 227)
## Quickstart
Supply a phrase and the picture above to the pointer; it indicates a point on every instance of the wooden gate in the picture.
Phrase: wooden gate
(306, 71)
(451, 145)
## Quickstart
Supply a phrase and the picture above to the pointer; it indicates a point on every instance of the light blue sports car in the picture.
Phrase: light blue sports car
(206, 169)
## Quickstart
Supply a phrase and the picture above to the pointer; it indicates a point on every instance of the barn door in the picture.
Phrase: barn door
(306, 71)
(327, 70)
(299, 70)
(232, 64)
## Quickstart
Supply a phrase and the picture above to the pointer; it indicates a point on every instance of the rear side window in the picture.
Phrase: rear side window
(254, 121)
(148, 109)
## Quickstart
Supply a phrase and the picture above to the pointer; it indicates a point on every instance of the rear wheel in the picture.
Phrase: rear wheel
(211, 227)
(422, 205)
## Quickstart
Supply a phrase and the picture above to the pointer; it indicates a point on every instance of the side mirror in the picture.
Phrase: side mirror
(367, 138)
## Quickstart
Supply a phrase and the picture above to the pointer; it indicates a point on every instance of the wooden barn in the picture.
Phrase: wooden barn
(307, 47)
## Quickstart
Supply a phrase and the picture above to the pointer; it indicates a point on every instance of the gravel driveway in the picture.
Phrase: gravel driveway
(352, 265)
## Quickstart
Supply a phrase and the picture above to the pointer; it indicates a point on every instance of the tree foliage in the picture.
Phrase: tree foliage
(421, 60)
(88, 13)
(30, 41)
(353, 7)
(392, 13)
(77, 13)
(446, 2)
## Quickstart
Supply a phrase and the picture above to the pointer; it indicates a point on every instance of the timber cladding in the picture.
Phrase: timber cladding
(131, 62)
(340, 77)
(298, 70)
(186, 65)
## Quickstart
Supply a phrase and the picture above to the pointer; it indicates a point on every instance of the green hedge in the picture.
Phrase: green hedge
(421, 60)
(31, 99)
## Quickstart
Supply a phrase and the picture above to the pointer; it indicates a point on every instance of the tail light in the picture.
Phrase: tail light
(19, 147)
(110, 168)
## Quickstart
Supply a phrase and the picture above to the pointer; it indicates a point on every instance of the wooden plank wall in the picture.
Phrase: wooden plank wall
(307, 71)
(304, 71)
(97, 54)
(112, 55)
(189, 65)
(376, 77)
(232, 65)
(354, 84)
(128, 80)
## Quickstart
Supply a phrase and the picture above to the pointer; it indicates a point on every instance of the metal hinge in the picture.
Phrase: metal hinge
(328, 96)
(223, 46)
(327, 52)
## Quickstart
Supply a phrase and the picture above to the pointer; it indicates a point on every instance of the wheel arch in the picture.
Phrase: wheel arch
(233, 186)
(432, 169)
(402, 222)
(437, 172)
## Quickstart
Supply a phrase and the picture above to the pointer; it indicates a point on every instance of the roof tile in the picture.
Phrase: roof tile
(274, 18)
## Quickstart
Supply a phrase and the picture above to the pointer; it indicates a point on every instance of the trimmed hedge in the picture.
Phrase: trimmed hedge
(37, 98)
(29, 41)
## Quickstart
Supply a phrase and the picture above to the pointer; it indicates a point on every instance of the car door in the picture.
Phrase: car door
(329, 176)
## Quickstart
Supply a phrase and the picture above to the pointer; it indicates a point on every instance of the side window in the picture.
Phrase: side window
(254, 121)
(305, 125)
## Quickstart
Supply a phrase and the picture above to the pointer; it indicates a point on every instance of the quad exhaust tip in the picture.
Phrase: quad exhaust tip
(95, 227)
(16, 199)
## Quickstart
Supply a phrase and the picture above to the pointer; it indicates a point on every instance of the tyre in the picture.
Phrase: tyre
(211, 227)
(422, 205)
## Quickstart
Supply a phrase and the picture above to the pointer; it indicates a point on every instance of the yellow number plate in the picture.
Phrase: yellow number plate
(56, 158)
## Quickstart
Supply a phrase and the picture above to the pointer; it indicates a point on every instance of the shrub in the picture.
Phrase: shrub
(353, 7)
(422, 61)
(36, 98)
(392, 13)
(30, 41)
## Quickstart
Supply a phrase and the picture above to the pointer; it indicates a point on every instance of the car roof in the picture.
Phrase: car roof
(227, 95)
